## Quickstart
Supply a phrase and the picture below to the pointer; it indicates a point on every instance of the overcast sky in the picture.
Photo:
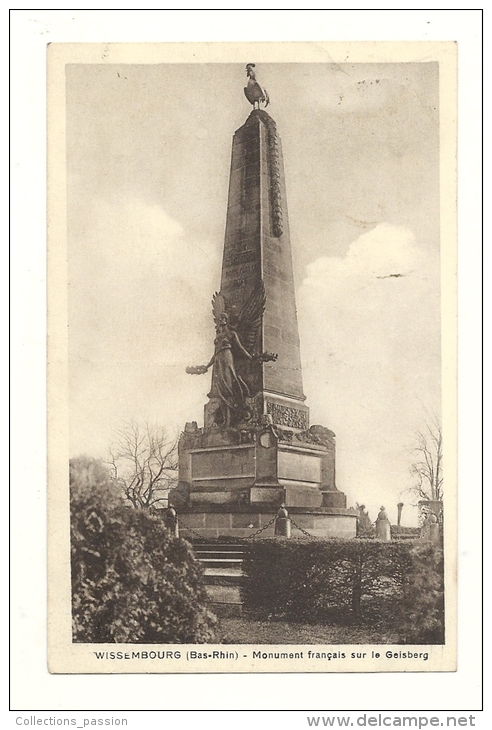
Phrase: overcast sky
(148, 150)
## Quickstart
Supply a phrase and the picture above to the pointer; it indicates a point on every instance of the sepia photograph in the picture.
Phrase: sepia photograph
(252, 369)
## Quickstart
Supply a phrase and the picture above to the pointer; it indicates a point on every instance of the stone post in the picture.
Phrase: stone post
(383, 526)
(400, 507)
(434, 535)
(171, 521)
(282, 523)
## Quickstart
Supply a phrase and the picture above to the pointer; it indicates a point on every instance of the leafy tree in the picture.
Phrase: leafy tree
(144, 463)
(91, 483)
(132, 581)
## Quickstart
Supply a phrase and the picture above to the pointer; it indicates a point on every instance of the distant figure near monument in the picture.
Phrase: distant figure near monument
(257, 450)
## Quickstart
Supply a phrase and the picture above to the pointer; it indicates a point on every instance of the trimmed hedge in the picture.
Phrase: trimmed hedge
(396, 585)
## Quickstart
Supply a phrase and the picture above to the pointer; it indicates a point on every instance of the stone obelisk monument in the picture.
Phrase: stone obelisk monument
(257, 449)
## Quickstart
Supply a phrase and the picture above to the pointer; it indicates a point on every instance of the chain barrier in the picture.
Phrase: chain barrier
(195, 533)
(304, 532)
(182, 523)
(250, 537)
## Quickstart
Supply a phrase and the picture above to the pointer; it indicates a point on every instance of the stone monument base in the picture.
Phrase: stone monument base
(233, 481)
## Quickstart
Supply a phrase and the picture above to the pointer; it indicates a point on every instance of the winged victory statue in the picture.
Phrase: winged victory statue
(235, 338)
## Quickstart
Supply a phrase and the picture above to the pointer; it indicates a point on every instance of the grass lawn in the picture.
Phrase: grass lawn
(246, 630)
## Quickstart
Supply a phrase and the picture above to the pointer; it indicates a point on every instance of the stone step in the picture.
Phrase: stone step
(210, 553)
(218, 554)
(219, 546)
(224, 594)
(228, 571)
(235, 564)
(226, 560)
(223, 576)
(222, 556)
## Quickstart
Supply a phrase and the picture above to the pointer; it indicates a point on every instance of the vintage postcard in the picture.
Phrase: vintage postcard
(252, 357)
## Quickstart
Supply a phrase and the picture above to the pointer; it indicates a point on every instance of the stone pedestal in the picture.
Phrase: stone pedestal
(383, 526)
(234, 481)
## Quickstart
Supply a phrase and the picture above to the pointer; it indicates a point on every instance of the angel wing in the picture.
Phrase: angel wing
(248, 324)
(219, 306)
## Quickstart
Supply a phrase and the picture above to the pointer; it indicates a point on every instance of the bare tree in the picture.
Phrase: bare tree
(427, 467)
(144, 462)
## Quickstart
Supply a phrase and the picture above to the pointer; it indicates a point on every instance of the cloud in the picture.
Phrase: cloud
(139, 312)
(133, 270)
(370, 338)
